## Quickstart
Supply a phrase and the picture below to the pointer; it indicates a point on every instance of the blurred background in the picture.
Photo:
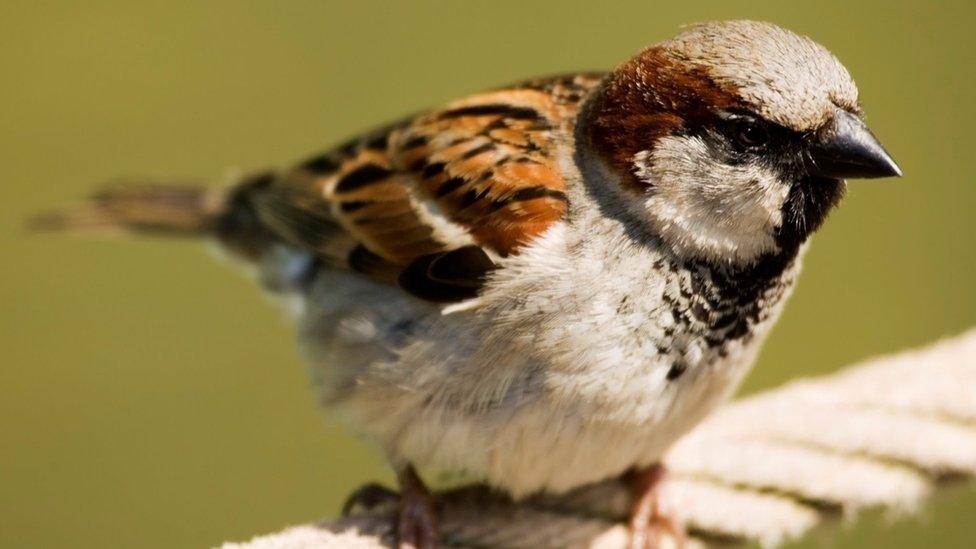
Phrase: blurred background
(151, 397)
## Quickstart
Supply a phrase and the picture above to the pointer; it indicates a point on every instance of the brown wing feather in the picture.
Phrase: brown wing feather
(488, 163)
(480, 172)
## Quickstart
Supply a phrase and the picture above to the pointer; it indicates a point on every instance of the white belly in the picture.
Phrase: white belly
(552, 446)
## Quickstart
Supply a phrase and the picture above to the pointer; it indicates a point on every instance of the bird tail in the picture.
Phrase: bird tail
(140, 208)
(169, 209)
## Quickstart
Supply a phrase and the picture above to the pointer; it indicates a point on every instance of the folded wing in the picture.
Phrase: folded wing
(430, 202)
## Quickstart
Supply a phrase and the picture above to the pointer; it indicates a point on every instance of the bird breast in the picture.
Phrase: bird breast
(586, 339)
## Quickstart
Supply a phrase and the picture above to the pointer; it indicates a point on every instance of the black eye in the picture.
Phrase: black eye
(751, 134)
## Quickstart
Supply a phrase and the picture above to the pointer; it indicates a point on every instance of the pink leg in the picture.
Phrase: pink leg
(417, 525)
(647, 523)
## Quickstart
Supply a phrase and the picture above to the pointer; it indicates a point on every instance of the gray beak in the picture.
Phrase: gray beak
(847, 150)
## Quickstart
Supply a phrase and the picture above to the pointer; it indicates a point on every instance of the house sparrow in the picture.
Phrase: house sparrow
(545, 285)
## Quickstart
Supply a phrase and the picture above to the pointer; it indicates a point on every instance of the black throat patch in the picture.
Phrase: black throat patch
(809, 202)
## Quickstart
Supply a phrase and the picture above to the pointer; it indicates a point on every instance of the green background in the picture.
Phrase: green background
(151, 397)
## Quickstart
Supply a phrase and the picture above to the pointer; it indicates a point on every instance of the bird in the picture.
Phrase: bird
(545, 285)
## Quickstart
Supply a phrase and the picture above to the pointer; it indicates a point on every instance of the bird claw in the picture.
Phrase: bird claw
(368, 497)
(657, 533)
(416, 524)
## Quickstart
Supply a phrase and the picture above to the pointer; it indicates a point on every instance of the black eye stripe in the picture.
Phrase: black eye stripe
(779, 146)
(732, 121)
(749, 134)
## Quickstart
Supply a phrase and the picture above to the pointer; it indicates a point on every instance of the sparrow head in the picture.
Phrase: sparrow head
(733, 139)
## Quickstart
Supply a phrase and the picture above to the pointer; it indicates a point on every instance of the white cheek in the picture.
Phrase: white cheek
(706, 208)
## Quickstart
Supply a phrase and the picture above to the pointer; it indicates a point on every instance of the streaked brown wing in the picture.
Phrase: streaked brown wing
(488, 164)
(430, 200)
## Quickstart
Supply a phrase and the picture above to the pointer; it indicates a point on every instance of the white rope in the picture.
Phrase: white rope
(766, 468)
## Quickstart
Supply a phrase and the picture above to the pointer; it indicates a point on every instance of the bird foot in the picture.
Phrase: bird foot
(649, 527)
(416, 524)
(369, 497)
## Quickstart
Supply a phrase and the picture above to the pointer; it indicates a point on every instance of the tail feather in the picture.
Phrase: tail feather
(225, 213)
(143, 208)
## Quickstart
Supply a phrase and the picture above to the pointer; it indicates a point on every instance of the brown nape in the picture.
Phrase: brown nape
(648, 97)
